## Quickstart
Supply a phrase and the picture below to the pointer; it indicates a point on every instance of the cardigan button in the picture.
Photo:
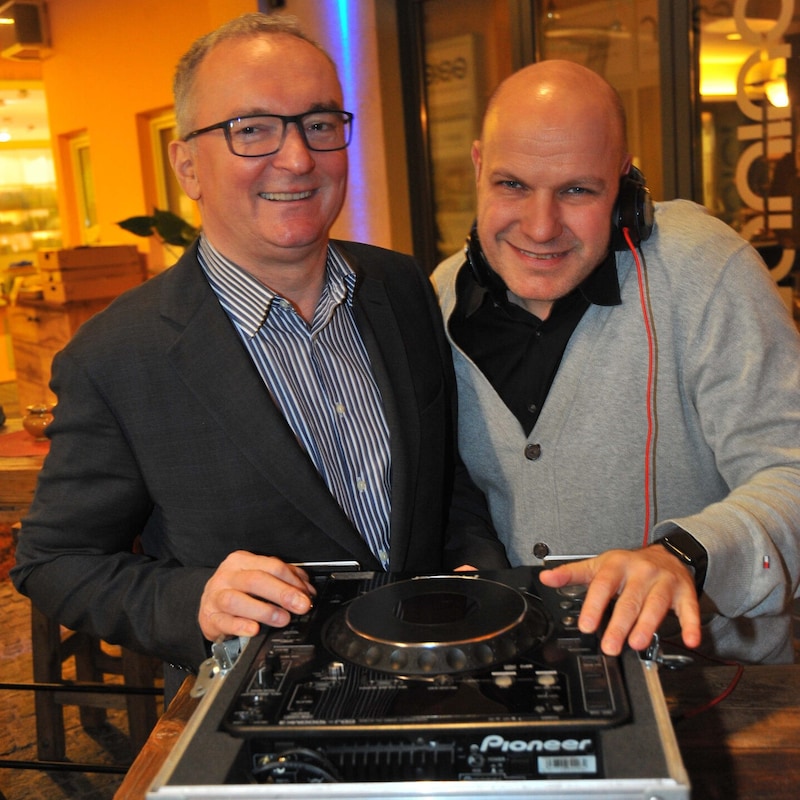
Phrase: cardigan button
(533, 451)
(541, 550)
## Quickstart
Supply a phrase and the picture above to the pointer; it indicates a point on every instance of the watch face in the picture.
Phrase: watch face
(685, 547)
(688, 546)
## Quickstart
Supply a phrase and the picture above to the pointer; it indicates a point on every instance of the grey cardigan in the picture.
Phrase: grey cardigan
(726, 463)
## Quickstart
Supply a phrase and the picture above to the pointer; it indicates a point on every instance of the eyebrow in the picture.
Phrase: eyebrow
(260, 111)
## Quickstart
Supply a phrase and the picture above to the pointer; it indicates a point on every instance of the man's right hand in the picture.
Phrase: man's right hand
(645, 583)
(247, 591)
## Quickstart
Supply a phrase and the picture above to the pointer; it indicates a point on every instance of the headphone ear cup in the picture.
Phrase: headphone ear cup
(475, 258)
(484, 275)
(633, 210)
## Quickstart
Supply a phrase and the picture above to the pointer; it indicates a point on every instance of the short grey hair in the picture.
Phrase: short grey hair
(245, 26)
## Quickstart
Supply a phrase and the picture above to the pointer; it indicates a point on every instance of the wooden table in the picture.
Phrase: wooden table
(745, 748)
(18, 475)
(748, 746)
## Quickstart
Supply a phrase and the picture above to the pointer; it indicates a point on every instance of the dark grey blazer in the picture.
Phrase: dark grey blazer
(166, 441)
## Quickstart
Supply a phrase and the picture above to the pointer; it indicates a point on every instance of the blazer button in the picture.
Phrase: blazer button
(541, 550)
(533, 451)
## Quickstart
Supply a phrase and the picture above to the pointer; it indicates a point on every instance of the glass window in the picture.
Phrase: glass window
(466, 55)
(161, 188)
(750, 110)
(81, 163)
(29, 219)
(618, 39)
(170, 196)
(28, 208)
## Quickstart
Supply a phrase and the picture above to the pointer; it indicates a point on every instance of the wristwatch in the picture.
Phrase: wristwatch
(687, 549)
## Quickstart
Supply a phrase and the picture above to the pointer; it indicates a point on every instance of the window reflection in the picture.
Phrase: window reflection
(466, 55)
(750, 91)
(618, 39)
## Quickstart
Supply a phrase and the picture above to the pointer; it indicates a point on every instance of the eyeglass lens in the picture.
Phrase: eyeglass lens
(263, 134)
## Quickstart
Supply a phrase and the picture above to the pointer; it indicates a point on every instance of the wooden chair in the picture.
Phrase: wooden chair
(51, 646)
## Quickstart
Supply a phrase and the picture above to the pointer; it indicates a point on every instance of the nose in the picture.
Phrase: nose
(294, 153)
(541, 220)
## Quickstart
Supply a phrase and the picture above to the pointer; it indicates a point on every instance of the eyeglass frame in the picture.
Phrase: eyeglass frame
(225, 127)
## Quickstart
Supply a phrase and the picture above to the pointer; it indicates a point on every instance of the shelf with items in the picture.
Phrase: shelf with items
(29, 219)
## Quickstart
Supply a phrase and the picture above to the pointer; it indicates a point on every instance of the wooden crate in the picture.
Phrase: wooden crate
(89, 289)
(87, 257)
(89, 273)
(38, 331)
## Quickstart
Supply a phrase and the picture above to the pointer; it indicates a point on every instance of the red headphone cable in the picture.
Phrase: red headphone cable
(648, 326)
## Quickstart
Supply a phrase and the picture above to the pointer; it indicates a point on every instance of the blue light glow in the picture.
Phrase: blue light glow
(342, 32)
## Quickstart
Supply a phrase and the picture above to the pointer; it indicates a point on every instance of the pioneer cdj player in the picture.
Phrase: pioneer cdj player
(459, 686)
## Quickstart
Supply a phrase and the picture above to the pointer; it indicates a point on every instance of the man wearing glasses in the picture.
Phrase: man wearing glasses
(274, 398)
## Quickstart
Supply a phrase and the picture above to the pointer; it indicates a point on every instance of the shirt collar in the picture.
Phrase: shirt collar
(600, 287)
(248, 301)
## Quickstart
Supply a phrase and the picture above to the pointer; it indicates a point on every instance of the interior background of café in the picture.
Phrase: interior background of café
(712, 93)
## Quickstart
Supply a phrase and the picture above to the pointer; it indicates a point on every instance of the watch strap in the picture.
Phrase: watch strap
(686, 548)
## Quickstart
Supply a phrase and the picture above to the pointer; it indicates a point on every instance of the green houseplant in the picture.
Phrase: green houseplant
(170, 228)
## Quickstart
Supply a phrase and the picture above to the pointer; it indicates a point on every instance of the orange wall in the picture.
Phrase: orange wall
(110, 62)
(114, 60)
(20, 70)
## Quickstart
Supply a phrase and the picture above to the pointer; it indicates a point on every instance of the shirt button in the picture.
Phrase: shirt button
(340, 409)
(533, 451)
(361, 485)
(541, 550)
(532, 408)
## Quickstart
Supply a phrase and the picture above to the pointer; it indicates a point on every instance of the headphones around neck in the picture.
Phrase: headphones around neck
(484, 275)
(632, 211)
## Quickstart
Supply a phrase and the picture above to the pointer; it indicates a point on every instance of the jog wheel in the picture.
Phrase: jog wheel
(437, 625)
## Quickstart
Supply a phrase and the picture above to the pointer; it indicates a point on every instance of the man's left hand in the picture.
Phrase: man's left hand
(646, 583)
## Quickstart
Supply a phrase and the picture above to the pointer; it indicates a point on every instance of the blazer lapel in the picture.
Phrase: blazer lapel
(225, 380)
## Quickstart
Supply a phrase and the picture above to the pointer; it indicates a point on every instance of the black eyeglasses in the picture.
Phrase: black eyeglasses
(264, 134)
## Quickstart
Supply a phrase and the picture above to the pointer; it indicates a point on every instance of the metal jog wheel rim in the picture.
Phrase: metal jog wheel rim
(438, 625)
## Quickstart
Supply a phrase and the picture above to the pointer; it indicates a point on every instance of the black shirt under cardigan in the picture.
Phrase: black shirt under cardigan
(518, 352)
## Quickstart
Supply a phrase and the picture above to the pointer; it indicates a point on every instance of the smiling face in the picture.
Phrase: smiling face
(273, 210)
(547, 168)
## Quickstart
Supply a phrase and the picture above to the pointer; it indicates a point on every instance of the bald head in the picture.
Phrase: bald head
(548, 165)
(561, 92)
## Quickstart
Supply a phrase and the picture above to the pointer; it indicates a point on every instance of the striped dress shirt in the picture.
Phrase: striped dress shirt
(320, 377)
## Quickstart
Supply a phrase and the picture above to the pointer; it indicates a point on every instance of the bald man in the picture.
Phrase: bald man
(629, 381)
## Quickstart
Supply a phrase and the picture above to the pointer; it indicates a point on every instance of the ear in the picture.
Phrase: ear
(182, 156)
(476, 158)
(626, 164)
